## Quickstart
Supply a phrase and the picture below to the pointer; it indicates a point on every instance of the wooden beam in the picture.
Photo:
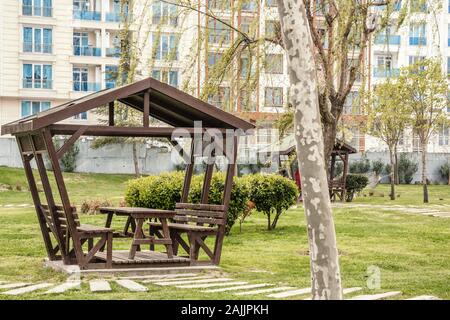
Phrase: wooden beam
(147, 109)
(188, 174)
(98, 130)
(111, 114)
(70, 142)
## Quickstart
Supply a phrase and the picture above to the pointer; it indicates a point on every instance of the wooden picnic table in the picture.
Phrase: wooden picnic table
(137, 217)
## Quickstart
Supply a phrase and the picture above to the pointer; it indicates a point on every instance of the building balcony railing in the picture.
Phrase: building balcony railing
(417, 41)
(385, 72)
(87, 15)
(109, 84)
(29, 10)
(37, 84)
(37, 47)
(113, 52)
(384, 39)
(116, 16)
(86, 86)
(87, 51)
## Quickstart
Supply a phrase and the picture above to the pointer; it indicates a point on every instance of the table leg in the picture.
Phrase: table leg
(109, 220)
(127, 226)
(138, 235)
(166, 233)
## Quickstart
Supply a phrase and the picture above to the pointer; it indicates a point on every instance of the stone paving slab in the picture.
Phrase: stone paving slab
(249, 286)
(290, 293)
(65, 287)
(28, 289)
(14, 285)
(99, 286)
(175, 279)
(210, 285)
(379, 296)
(160, 276)
(175, 283)
(131, 285)
(254, 292)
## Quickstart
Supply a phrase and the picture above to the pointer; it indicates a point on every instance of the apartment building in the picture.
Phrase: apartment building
(54, 51)
(425, 34)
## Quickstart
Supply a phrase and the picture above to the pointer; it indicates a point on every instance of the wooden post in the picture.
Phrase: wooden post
(64, 197)
(147, 109)
(37, 202)
(111, 114)
(188, 174)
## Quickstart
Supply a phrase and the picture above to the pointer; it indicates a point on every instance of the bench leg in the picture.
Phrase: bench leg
(192, 248)
(166, 235)
(109, 242)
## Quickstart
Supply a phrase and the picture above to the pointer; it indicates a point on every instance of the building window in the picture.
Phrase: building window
(218, 32)
(81, 82)
(111, 73)
(274, 63)
(444, 136)
(271, 3)
(273, 97)
(41, 8)
(165, 46)
(247, 101)
(417, 35)
(164, 13)
(271, 27)
(81, 46)
(37, 76)
(418, 6)
(415, 59)
(220, 99)
(86, 10)
(249, 5)
(38, 40)
(81, 116)
(29, 108)
(351, 105)
(167, 76)
(214, 58)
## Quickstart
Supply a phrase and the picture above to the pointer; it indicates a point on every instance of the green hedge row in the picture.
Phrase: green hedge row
(268, 192)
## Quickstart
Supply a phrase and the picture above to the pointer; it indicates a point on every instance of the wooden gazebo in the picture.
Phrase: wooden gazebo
(285, 148)
(65, 238)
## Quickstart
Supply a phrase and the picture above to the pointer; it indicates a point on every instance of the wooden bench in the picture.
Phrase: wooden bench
(84, 232)
(197, 221)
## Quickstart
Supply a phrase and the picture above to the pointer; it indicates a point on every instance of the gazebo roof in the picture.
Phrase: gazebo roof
(167, 104)
(287, 145)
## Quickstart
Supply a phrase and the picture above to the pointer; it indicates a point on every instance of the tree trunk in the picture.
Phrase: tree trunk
(424, 171)
(135, 160)
(329, 137)
(392, 173)
(275, 220)
(396, 177)
(325, 272)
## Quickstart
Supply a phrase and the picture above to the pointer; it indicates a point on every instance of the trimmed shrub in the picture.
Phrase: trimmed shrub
(378, 167)
(272, 194)
(406, 169)
(444, 170)
(163, 191)
(360, 166)
(354, 183)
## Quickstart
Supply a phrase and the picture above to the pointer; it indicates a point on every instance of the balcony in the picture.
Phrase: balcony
(116, 16)
(30, 47)
(385, 72)
(87, 51)
(87, 15)
(384, 39)
(109, 84)
(113, 52)
(86, 86)
(37, 84)
(29, 10)
(417, 41)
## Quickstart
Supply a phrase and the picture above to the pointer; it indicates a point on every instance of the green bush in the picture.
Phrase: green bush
(406, 169)
(163, 191)
(444, 170)
(272, 194)
(354, 183)
(360, 166)
(378, 167)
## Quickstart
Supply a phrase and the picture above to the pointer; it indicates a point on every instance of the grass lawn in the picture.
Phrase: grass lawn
(411, 250)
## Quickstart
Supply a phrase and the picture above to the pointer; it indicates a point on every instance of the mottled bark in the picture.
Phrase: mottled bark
(325, 273)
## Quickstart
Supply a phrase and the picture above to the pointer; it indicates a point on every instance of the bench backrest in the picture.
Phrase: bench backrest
(200, 214)
(59, 210)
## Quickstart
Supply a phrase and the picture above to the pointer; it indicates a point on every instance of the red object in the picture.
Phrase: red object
(298, 181)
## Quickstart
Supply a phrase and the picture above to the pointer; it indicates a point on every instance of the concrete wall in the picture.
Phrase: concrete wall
(109, 159)
(435, 161)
